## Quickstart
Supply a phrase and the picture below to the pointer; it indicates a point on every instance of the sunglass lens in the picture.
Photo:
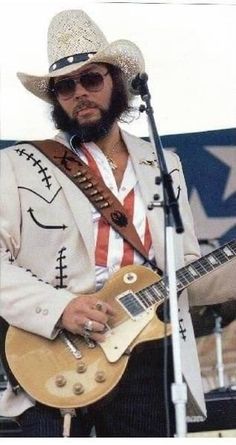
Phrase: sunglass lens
(92, 81)
(65, 87)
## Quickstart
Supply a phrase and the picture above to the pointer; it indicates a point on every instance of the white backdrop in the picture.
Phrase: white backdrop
(190, 53)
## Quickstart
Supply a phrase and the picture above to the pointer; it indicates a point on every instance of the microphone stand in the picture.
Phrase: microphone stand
(172, 219)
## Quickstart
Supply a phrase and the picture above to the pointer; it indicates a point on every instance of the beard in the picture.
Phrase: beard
(95, 130)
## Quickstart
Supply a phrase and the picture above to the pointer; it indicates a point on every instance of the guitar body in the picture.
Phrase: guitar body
(67, 372)
(50, 373)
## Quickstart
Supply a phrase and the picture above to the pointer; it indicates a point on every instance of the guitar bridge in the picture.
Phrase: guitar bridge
(70, 345)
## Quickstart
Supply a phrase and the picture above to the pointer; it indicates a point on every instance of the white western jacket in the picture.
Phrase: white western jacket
(45, 219)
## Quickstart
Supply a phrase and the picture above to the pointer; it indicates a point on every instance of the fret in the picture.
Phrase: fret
(232, 246)
(154, 295)
(199, 267)
(213, 260)
(149, 296)
(150, 300)
(181, 276)
(192, 271)
(155, 290)
(228, 251)
(142, 297)
(206, 264)
(220, 255)
(188, 276)
(161, 288)
(184, 276)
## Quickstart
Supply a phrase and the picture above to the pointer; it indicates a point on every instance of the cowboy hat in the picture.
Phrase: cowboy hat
(74, 40)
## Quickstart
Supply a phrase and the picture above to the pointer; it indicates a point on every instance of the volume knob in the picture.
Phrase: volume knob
(78, 388)
(81, 367)
(100, 376)
(60, 380)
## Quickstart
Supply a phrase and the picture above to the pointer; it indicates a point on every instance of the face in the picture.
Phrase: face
(91, 95)
(89, 108)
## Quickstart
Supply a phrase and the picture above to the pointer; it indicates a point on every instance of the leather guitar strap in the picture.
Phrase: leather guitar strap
(94, 189)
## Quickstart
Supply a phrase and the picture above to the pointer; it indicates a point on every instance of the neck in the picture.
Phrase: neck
(113, 138)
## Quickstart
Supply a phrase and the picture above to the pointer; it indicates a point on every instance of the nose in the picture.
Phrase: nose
(79, 90)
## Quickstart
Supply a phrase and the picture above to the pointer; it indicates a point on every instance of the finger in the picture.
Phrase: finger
(95, 336)
(98, 337)
(98, 316)
(105, 307)
(93, 326)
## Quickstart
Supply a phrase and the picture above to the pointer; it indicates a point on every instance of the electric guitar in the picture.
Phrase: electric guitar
(71, 371)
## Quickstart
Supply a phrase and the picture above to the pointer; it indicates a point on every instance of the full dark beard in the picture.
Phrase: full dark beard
(95, 130)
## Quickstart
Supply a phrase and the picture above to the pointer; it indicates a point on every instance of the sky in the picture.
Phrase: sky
(189, 49)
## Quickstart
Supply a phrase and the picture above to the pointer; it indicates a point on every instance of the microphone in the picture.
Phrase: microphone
(136, 83)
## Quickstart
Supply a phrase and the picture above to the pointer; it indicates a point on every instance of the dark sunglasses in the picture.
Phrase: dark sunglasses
(91, 81)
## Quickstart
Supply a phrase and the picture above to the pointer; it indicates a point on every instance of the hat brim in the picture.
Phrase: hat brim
(122, 53)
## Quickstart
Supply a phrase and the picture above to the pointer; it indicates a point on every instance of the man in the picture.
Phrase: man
(57, 249)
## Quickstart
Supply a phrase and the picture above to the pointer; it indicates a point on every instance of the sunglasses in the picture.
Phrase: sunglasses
(91, 81)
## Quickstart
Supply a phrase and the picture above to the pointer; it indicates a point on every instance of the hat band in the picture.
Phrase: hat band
(61, 63)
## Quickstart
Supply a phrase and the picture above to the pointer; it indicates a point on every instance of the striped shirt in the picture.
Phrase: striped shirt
(111, 251)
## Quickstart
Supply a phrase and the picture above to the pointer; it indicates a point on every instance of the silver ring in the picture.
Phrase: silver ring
(86, 333)
(88, 325)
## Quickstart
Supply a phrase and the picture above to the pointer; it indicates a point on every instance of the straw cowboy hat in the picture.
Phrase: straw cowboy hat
(74, 41)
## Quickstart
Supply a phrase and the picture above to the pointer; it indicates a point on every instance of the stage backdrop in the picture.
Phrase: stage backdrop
(209, 163)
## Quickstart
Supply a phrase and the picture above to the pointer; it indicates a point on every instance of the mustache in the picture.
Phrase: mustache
(82, 104)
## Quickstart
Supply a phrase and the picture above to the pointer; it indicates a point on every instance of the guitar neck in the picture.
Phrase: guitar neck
(205, 265)
(188, 274)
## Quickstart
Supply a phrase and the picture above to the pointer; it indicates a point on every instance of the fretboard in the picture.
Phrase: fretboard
(188, 274)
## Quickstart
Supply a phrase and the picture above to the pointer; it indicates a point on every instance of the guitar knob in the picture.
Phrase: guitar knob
(81, 367)
(78, 388)
(100, 376)
(60, 381)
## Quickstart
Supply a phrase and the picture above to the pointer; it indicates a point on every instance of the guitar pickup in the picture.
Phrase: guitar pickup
(132, 305)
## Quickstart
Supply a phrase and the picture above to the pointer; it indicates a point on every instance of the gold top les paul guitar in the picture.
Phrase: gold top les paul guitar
(70, 372)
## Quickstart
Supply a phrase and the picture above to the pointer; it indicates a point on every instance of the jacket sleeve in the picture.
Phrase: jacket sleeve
(190, 242)
(216, 287)
(26, 301)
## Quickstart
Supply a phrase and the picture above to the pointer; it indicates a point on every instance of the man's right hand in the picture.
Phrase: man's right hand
(86, 311)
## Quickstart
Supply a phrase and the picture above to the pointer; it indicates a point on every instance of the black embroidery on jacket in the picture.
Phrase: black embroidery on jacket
(178, 193)
(31, 212)
(35, 163)
(11, 258)
(34, 275)
(174, 170)
(178, 188)
(61, 267)
(182, 329)
(40, 196)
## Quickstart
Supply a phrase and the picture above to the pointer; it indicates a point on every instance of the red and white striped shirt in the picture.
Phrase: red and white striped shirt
(111, 251)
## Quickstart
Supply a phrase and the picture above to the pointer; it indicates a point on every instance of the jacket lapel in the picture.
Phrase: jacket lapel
(80, 207)
(146, 168)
